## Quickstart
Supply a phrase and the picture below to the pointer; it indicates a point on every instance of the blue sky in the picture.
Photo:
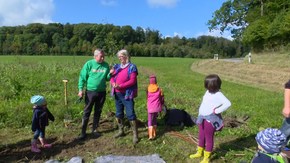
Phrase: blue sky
(170, 17)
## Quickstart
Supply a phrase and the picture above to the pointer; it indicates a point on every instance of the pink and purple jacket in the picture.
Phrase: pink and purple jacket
(126, 78)
(155, 99)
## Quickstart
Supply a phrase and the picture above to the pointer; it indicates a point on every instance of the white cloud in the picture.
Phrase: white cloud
(177, 34)
(22, 12)
(216, 33)
(108, 2)
(162, 3)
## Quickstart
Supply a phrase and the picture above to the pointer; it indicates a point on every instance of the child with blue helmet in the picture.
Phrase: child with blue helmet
(270, 143)
(40, 118)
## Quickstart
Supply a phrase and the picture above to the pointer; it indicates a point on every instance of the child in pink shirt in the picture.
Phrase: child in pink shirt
(155, 100)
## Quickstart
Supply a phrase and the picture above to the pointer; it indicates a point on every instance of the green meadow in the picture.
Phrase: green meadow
(21, 77)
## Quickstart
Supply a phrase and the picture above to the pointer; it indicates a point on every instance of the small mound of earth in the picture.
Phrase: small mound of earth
(233, 122)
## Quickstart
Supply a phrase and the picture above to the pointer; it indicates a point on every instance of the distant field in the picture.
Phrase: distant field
(268, 72)
(255, 105)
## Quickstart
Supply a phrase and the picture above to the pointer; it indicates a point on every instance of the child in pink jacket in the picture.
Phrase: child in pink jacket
(155, 100)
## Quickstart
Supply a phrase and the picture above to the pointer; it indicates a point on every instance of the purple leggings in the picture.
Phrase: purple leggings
(152, 119)
(206, 135)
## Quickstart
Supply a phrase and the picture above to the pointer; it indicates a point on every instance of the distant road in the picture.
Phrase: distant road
(237, 60)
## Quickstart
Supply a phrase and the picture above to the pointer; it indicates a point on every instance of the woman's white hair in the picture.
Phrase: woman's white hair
(124, 52)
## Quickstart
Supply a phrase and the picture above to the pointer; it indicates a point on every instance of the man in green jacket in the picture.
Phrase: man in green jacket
(92, 85)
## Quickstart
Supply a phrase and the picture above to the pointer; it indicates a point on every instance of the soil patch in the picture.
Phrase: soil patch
(66, 146)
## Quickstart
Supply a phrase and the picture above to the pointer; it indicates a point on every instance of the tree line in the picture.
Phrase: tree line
(261, 24)
(256, 25)
(81, 39)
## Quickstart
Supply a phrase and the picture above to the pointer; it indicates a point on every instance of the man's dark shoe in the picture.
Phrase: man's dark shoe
(96, 134)
(82, 137)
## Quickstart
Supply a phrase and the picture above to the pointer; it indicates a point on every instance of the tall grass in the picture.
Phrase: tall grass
(24, 76)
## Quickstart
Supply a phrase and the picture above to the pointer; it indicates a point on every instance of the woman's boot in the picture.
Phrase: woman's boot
(120, 127)
(135, 131)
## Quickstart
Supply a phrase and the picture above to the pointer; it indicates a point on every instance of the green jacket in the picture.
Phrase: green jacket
(94, 75)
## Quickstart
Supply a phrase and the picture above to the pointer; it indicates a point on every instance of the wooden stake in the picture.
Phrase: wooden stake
(65, 91)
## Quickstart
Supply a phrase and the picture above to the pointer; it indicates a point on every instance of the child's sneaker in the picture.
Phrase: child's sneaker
(34, 147)
(47, 146)
(44, 144)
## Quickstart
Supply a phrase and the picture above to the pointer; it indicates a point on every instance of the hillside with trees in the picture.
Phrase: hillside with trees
(256, 25)
(80, 39)
(264, 25)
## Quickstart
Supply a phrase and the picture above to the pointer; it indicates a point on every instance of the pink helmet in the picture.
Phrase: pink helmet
(152, 79)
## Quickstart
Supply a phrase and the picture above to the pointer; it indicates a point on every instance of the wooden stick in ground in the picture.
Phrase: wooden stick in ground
(176, 134)
(195, 140)
(65, 91)
(190, 135)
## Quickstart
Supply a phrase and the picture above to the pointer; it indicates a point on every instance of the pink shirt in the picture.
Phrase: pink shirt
(122, 80)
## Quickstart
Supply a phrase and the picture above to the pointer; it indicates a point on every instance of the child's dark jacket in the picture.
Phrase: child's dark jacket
(263, 158)
(40, 118)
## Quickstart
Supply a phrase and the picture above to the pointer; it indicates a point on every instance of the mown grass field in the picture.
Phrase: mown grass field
(182, 82)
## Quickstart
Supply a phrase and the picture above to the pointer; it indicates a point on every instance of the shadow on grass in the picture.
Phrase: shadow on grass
(235, 146)
(21, 151)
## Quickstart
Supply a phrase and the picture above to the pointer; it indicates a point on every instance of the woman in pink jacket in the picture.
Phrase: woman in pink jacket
(124, 90)
(155, 100)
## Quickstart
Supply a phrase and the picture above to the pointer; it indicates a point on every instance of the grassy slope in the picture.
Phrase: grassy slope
(267, 72)
(183, 89)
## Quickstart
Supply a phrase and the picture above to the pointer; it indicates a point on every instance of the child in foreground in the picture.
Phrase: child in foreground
(40, 118)
(155, 101)
(209, 118)
(270, 142)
